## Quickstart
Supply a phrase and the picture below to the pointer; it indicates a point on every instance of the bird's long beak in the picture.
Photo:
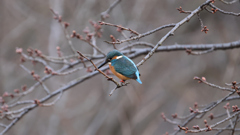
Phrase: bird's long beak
(103, 64)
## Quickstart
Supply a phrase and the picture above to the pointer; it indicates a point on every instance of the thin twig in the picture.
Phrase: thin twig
(221, 115)
(223, 11)
(213, 85)
(136, 44)
(94, 46)
(230, 2)
(51, 58)
(119, 26)
(208, 10)
(38, 60)
(54, 102)
(216, 103)
(43, 85)
(65, 32)
(113, 90)
(230, 84)
(142, 35)
(235, 124)
(200, 20)
(93, 39)
(3, 125)
(228, 114)
(20, 103)
(105, 14)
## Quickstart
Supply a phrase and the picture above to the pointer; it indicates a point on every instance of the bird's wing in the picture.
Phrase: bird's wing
(126, 67)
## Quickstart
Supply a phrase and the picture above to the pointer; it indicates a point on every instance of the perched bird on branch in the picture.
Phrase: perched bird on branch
(121, 66)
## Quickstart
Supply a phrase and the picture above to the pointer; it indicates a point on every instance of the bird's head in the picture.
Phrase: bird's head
(114, 54)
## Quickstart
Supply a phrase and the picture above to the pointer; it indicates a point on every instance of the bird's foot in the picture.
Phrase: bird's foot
(124, 83)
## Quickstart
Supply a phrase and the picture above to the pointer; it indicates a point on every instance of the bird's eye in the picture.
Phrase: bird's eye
(108, 59)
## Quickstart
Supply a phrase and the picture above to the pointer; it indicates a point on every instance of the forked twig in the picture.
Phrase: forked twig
(105, 14)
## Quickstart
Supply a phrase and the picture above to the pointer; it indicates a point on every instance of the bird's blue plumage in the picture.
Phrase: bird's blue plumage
(126, 67)
(138, 78)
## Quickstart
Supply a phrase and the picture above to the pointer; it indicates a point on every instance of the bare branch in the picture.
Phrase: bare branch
(223, 11)
(212, 126)
(199, 53)
(64, 28)
(37, 79)
(54, 102)
(231, 2)
(235, 124)
(213, 85)
(119, 26)
(171, 32)
(137, 44)
(105, 14)
(142, 35)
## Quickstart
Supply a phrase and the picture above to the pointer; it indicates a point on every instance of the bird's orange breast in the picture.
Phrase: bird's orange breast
(120, 76)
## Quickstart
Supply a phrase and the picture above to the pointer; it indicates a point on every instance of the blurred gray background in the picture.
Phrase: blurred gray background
(167, 77)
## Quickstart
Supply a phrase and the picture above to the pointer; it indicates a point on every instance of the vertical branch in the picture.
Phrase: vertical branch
(68, 38)
(235, 124)
(94, 44)
(230, 120)
(64, 26)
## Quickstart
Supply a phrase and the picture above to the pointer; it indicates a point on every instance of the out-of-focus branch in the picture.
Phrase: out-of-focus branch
(235, 124)
(223, 11)
(52, 103)
(142, 35)
(203, 80)
(230, 2)
(90, 40)
(137, 44)
(120, 27)
(64, 26)
(94, 46)
(105, 14)
(36, 77)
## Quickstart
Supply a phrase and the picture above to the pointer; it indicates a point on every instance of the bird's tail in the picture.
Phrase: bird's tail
(138, 78)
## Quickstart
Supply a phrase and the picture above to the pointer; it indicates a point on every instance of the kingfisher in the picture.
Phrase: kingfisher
(121, 66)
